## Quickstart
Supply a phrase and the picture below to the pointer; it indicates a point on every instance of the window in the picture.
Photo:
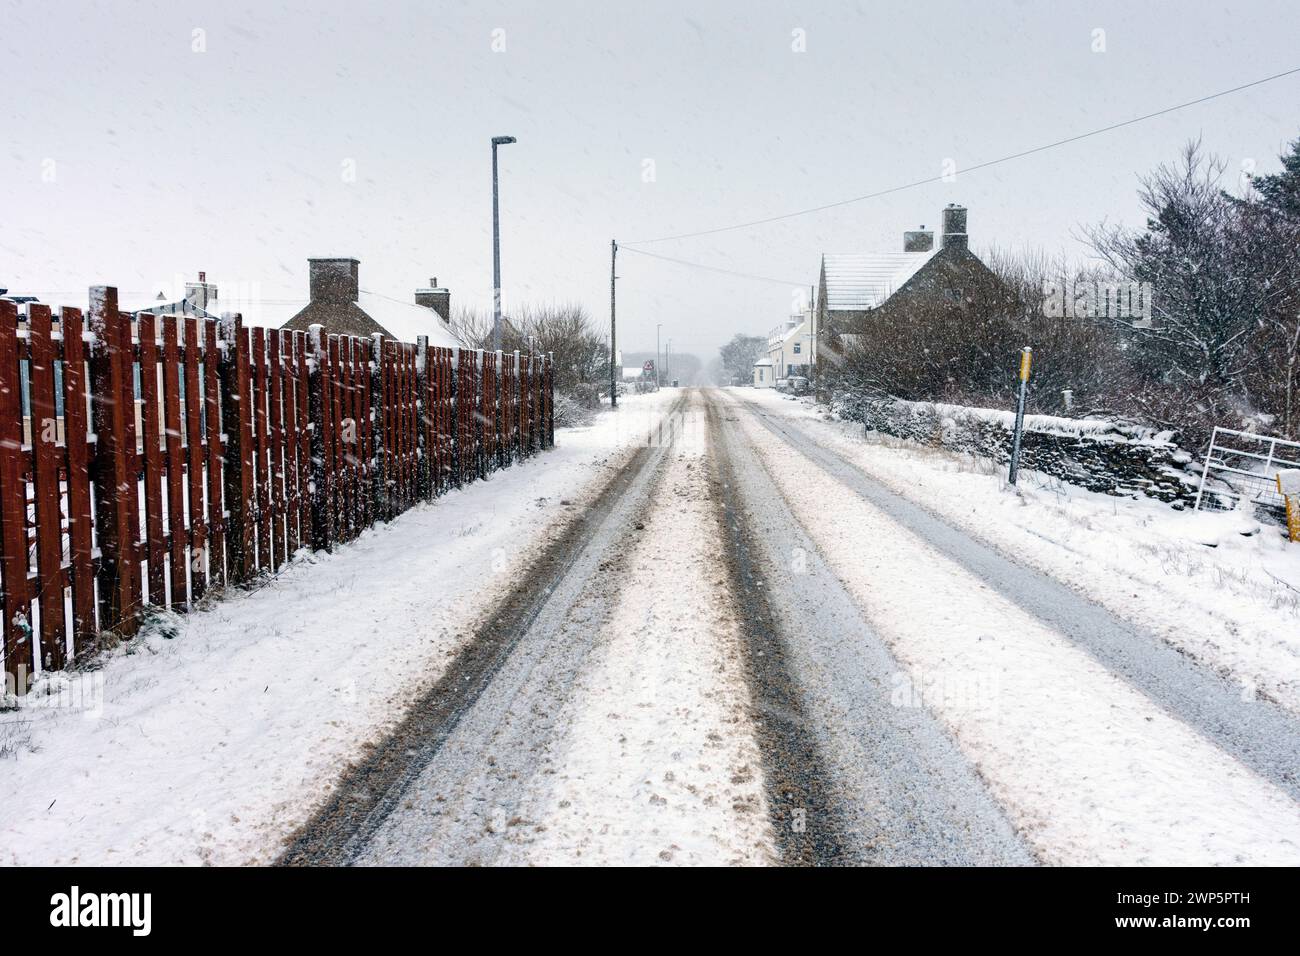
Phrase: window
(798, 347)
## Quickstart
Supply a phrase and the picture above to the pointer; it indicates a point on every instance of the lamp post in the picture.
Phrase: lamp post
(496, 246)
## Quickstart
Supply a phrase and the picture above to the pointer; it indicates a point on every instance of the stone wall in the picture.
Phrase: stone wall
(1115, 459)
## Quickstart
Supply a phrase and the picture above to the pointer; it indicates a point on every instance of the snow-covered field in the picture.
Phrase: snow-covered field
(211, 745)
(1091, 770)
(1221, 587)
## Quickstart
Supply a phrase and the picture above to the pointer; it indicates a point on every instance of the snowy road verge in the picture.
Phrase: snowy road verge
(1219, 587)
(212, 746)
(1090, 770)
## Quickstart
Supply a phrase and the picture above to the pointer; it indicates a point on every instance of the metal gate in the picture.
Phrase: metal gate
(1243, 466)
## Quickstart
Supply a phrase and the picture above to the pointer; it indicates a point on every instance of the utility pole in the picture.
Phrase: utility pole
(613, 328)
(657, 330)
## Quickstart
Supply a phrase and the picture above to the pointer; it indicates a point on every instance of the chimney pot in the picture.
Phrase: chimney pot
(921, 240)
(437, 298)
(954, 226)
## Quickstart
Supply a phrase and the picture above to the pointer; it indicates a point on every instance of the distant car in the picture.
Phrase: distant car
(795, 385)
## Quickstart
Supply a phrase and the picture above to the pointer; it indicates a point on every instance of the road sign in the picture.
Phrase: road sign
(649, 365)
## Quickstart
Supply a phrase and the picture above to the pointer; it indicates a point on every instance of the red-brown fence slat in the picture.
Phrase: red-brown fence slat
(348, 436)
(155, 542)
(215, 454)
(290, 467)
(261, 448)
(131, 446)
(404, 428)
(45, 461)
(361, 406)
(80, 542)
(114, 472)
(176, 523)
(194, 465)
(289, 399)
(276, 399)
(365, 430)
(248, 564)
(334, 409)
(301, 382)
(13, 507)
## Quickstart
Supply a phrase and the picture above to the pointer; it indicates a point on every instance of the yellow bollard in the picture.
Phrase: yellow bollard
(1288, 486)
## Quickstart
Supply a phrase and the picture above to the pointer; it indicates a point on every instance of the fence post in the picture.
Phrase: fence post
(233, 453)
(381, 436)
(516, 383)
(317, 377)
(19, 656)
(115, 485)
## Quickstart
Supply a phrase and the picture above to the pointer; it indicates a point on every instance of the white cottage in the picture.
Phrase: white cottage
(790, 347)
(764, 373)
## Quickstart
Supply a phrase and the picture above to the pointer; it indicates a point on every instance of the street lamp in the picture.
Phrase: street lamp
(496, 246)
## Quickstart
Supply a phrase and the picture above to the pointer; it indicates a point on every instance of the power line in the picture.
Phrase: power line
(700, 265)
(968, 169)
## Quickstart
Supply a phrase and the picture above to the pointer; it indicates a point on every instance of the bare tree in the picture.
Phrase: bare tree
(1209, 298)
(738, 357)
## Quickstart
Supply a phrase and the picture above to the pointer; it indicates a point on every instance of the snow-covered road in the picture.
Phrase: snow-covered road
(704, 630)
(761, 654)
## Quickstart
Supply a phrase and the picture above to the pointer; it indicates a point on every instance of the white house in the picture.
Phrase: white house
(764, 373)
(790, 347)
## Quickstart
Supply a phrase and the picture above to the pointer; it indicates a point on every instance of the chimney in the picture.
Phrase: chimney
(333, 280)
(954, 226)
(201, 294)
(437, 298)
(920, 240)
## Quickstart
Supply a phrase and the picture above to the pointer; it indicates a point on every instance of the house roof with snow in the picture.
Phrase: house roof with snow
(342, 307)
(860, 281)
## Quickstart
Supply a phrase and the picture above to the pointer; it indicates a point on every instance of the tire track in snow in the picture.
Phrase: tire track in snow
(1260, 733)
(369, 793)
(806, 818)
(881, 784)
(654, 758)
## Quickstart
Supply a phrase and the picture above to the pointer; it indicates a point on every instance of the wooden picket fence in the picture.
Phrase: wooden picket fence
(252, 444)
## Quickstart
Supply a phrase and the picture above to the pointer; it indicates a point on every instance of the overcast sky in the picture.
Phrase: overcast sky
(330, 128)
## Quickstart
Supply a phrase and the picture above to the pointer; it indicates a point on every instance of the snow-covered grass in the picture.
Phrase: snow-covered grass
(211, 745)
(1221, 587)
(656, 762)
(1090, 770)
